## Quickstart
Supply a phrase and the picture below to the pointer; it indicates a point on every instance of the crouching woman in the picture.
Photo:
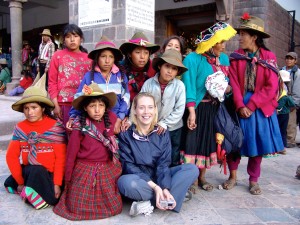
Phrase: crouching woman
(146, 157)
(40, 141)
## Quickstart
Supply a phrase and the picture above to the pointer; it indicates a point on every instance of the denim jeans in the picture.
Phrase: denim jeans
(183, 176)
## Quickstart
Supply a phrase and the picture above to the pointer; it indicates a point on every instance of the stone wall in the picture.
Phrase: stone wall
(278, 23)
(117, 31)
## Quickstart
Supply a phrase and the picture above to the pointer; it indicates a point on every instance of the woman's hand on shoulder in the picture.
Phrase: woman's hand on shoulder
(117, 128)
(69, 124)
(160, 130)
(125, 124)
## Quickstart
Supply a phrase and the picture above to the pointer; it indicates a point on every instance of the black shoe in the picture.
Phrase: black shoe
(291, 145)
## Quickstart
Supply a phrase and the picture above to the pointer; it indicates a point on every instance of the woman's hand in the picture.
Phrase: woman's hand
(20, 188)
(125, 124)
(57, 110)
(159, 196)
(169, 197)
(57, 191)
(191, 121)
(228, 89)
(160, 130)
(69, 124)
(244, 112)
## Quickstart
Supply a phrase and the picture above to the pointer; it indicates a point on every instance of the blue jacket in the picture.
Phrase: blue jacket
(148, 156)
(116, 84)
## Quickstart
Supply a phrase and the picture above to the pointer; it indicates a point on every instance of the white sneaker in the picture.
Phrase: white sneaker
(142, 207)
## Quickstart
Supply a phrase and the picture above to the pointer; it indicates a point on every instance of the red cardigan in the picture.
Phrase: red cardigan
(266, 85)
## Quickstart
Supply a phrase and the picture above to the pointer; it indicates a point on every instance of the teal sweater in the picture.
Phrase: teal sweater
(194, 79)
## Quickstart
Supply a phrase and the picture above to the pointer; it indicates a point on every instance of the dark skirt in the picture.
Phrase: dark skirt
(199, 145)
(261, 134)
(92, 192)
(39, 179)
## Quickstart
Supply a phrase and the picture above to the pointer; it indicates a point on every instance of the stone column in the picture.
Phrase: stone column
(15, 7)
(118, 30)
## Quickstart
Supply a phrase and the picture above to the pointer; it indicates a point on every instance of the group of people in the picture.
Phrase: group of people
(117, 123)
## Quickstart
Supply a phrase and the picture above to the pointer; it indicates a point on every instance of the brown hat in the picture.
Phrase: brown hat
(32, 94)
(248, 22)
(138, 39)
(93, 90)
(25, 43)
(46, 32)
(105, 43)
(171, 56)
(3, 61)
(292, 54)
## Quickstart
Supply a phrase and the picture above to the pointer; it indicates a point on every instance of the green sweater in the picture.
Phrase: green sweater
(194, 79)
(5, 76)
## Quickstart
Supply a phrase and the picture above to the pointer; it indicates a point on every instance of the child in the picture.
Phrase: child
(25, 81)
(108, 77)
(169, 94)
(285, 103)
(66, 70)
(92, 167)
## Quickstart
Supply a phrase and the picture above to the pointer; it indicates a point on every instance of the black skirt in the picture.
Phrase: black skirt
(39, 179)
(199, 146)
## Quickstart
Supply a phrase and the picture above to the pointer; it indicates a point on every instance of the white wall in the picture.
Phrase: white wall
(175, 4)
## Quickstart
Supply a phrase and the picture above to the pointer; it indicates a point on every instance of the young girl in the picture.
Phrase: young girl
(108, 77)
(174, 42)
(169, 94)
(66, 70)
(92, 167)
(40, 142)
(25, 81)
(145, 156)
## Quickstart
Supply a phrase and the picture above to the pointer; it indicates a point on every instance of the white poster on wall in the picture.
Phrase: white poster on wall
(140, 14)
(94, 12)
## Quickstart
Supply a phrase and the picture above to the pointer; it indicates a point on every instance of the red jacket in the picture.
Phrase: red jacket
(26, 82)
(266, 85)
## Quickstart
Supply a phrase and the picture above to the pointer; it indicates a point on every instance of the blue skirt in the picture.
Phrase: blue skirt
(261, 134)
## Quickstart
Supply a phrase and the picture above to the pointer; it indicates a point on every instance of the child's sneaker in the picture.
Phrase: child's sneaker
(142, 207)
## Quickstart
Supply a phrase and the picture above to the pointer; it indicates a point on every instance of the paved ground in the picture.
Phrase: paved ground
(279, 203)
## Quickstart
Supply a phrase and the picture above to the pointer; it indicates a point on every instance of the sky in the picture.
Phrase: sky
(291, 5)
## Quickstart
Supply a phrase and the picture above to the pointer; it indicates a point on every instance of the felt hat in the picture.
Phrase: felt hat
(25, 43)
(93, 90)
(3, 61)
(105, 43)
(285, 75)
(254, 23)
(171, 56)
(217, 33)
(33, 94)
(292, 54)
(138, 39)
(46, 32)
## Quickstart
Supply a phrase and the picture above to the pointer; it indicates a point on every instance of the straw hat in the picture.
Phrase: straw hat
(171, 56)
(248, 22)
(3, 61)
(215, 34)
(32, 94)
(285, 75)
(105, 43)
(93, 90)
(46, 32)
(138, 39)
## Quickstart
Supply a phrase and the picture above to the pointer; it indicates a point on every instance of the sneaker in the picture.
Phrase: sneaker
(142, 207)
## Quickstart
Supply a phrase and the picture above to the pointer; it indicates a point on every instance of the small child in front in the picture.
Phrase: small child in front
(169, 94)
(92, 167)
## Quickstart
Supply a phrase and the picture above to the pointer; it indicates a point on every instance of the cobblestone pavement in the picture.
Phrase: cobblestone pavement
(279, 203)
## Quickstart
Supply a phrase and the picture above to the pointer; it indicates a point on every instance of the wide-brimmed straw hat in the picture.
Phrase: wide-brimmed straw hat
(254, 23)
(138, 39)
(90, 91)
(3, 61)
(171, 56)
(105, 43)
(33, 94)
(46, 32)
(217, 33)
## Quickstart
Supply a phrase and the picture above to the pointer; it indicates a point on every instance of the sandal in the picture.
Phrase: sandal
(206, 186)
(255, 189)
(193, 188)
(229, 184)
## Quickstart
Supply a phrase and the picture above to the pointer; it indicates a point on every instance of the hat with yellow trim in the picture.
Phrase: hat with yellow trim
(217, 33)
(248, 22)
